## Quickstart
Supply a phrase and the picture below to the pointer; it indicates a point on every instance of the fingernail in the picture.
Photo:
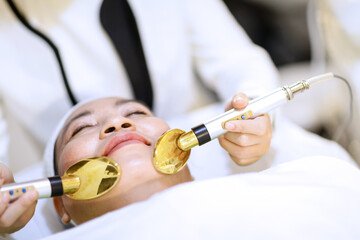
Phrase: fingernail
(229, 126)
(239, 99)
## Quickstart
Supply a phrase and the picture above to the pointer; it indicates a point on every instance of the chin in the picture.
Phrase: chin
(133, 155)
(136, 165)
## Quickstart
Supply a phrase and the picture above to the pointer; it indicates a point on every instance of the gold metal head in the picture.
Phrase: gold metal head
(168, 158)
(97, 176)
(187, 141)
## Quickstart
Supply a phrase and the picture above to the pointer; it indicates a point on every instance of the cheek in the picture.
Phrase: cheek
(76, 150)
(153, 127)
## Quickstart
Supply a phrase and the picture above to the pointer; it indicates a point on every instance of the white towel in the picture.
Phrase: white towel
(310, 198)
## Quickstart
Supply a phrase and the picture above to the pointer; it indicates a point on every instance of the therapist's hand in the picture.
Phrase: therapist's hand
(246, 140)
(15, 215)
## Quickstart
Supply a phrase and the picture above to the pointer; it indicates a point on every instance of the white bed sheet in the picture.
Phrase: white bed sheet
(310, 198)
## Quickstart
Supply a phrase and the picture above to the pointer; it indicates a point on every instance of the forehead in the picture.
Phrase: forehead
(98, 104)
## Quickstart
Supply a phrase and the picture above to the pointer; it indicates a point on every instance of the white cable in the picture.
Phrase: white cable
(320, 78)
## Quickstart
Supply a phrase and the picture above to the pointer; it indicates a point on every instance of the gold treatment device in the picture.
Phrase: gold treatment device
(86, 179)
(172, 149)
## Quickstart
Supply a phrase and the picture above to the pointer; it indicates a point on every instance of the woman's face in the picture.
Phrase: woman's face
(125, 131)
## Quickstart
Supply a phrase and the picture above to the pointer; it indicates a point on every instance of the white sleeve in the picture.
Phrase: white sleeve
(4, 138)
(224, 56)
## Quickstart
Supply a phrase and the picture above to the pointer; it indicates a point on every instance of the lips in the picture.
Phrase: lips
(120, 141)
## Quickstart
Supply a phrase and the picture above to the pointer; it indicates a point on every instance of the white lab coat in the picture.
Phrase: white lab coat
(178, 37)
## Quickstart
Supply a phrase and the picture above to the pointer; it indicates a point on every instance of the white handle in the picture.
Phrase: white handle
(255, 107)
(15, 190)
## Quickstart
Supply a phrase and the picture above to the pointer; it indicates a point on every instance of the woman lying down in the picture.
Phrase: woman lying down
(314, 198)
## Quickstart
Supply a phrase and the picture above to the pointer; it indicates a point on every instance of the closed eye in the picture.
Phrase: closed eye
(136, 113)
(79, 129)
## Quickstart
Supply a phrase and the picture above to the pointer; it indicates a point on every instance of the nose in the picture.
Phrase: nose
(115, 124)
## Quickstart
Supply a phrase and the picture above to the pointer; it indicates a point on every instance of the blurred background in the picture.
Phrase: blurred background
(305, 38)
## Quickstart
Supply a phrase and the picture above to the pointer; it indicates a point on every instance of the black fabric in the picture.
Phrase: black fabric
(118, 21)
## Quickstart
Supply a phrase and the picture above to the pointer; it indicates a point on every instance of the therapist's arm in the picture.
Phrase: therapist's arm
(246, 140)
(14, 215)
(225, 58)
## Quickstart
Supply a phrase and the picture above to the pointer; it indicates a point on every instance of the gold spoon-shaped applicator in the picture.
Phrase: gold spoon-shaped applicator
(86, 179)
(168, 157)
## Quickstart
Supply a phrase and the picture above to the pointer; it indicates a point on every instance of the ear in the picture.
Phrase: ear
(61, 211)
